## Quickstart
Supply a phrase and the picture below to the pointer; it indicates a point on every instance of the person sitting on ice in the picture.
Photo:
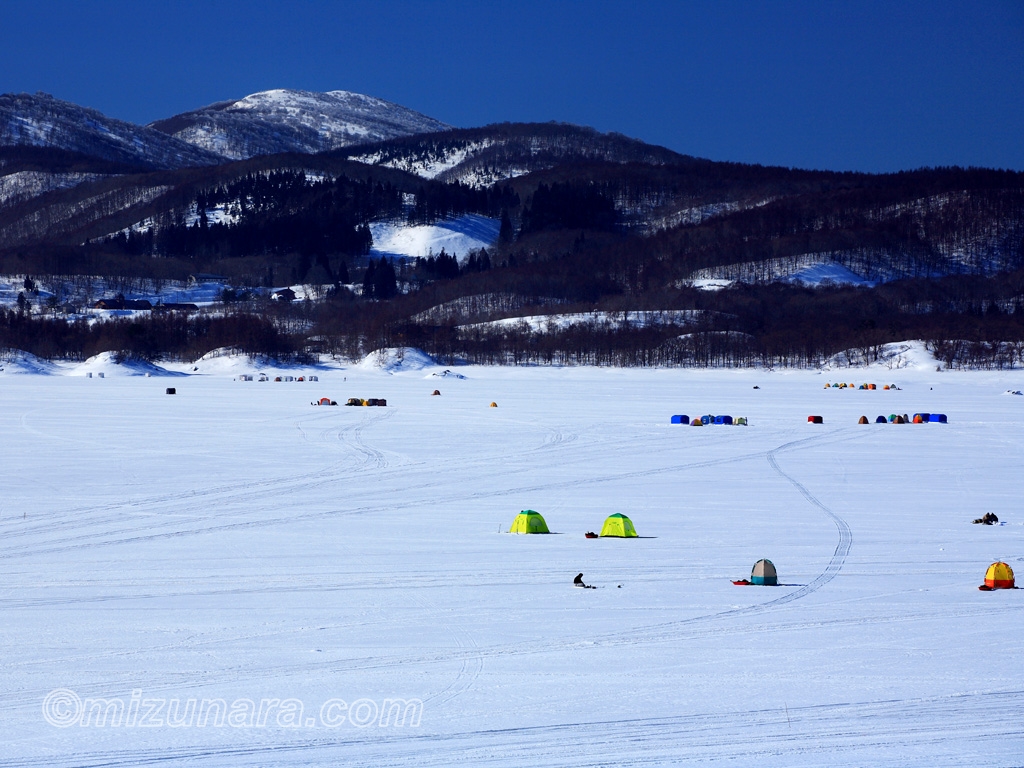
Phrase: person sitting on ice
(578, 581)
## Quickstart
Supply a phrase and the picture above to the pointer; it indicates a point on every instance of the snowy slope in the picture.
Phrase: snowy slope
(564, 320)
(284, 120)
(41, 120)
(457, 236)
(235, 543)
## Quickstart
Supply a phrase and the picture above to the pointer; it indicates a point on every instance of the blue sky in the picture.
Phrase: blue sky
(865, 85)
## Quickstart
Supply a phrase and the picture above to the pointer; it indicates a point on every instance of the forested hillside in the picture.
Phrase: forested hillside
(591, 227)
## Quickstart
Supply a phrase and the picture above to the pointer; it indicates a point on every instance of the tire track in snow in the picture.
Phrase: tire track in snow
(842, 549)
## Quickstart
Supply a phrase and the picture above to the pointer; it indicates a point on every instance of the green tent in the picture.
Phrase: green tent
(529, 521)
(618, 525)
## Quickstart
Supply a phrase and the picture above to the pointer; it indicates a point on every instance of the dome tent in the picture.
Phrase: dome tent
(998, 576)
(764, 574)
(529, 521)
(618, 525)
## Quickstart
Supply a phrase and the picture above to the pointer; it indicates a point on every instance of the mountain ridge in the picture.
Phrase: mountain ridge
(44, 121)
(286, 120)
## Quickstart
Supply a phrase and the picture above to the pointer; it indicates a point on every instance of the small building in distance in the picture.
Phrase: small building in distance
(176, 307)
(120, 302)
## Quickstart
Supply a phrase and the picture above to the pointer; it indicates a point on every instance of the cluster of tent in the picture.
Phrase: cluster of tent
(918, 418)
(854, 386)
(530, 521)
(264, 377)
(764, 574)
(358, 401)
(702, 421)
(895, 418)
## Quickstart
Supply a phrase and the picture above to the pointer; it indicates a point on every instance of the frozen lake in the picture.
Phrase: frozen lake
(234, 543)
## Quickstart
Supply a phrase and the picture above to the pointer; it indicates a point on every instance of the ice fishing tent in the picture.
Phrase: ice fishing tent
(325, 401)
(998, 576)
(764, 574)
(862, 420)
(881, 420)
(815, 420)
(696, 423)
(723, 419)
(618, 525)
(680, 419)
(494, 405)
(937, 418)
(529, 521)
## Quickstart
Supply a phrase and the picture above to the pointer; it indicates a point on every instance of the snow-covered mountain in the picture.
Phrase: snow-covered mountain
(283, 120)
(40, 120)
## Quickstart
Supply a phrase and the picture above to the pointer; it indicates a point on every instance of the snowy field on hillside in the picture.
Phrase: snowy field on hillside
(457, 236)
(232, 544)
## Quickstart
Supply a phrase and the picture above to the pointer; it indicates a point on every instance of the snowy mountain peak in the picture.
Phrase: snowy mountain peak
(284, 120)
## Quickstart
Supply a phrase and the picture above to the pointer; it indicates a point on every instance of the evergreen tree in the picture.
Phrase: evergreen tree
(369, 279)
(385, 283)
(505, 231)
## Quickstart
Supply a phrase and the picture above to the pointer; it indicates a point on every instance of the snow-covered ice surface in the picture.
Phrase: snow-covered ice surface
(457, 236)
(234, 542)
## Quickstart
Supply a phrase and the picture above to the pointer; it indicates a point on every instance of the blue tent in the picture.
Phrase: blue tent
(938, 418)
(881, 420)
(680, 419)
(723, 419)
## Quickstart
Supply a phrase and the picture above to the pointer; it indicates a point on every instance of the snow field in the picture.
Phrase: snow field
(457, 237)
(234, 541)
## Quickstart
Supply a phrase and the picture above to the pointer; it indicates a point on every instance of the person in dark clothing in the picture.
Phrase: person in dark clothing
(578, 581)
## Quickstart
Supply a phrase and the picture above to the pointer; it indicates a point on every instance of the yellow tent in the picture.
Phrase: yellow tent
(529, 521)
(998, 576)
(618, 525)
